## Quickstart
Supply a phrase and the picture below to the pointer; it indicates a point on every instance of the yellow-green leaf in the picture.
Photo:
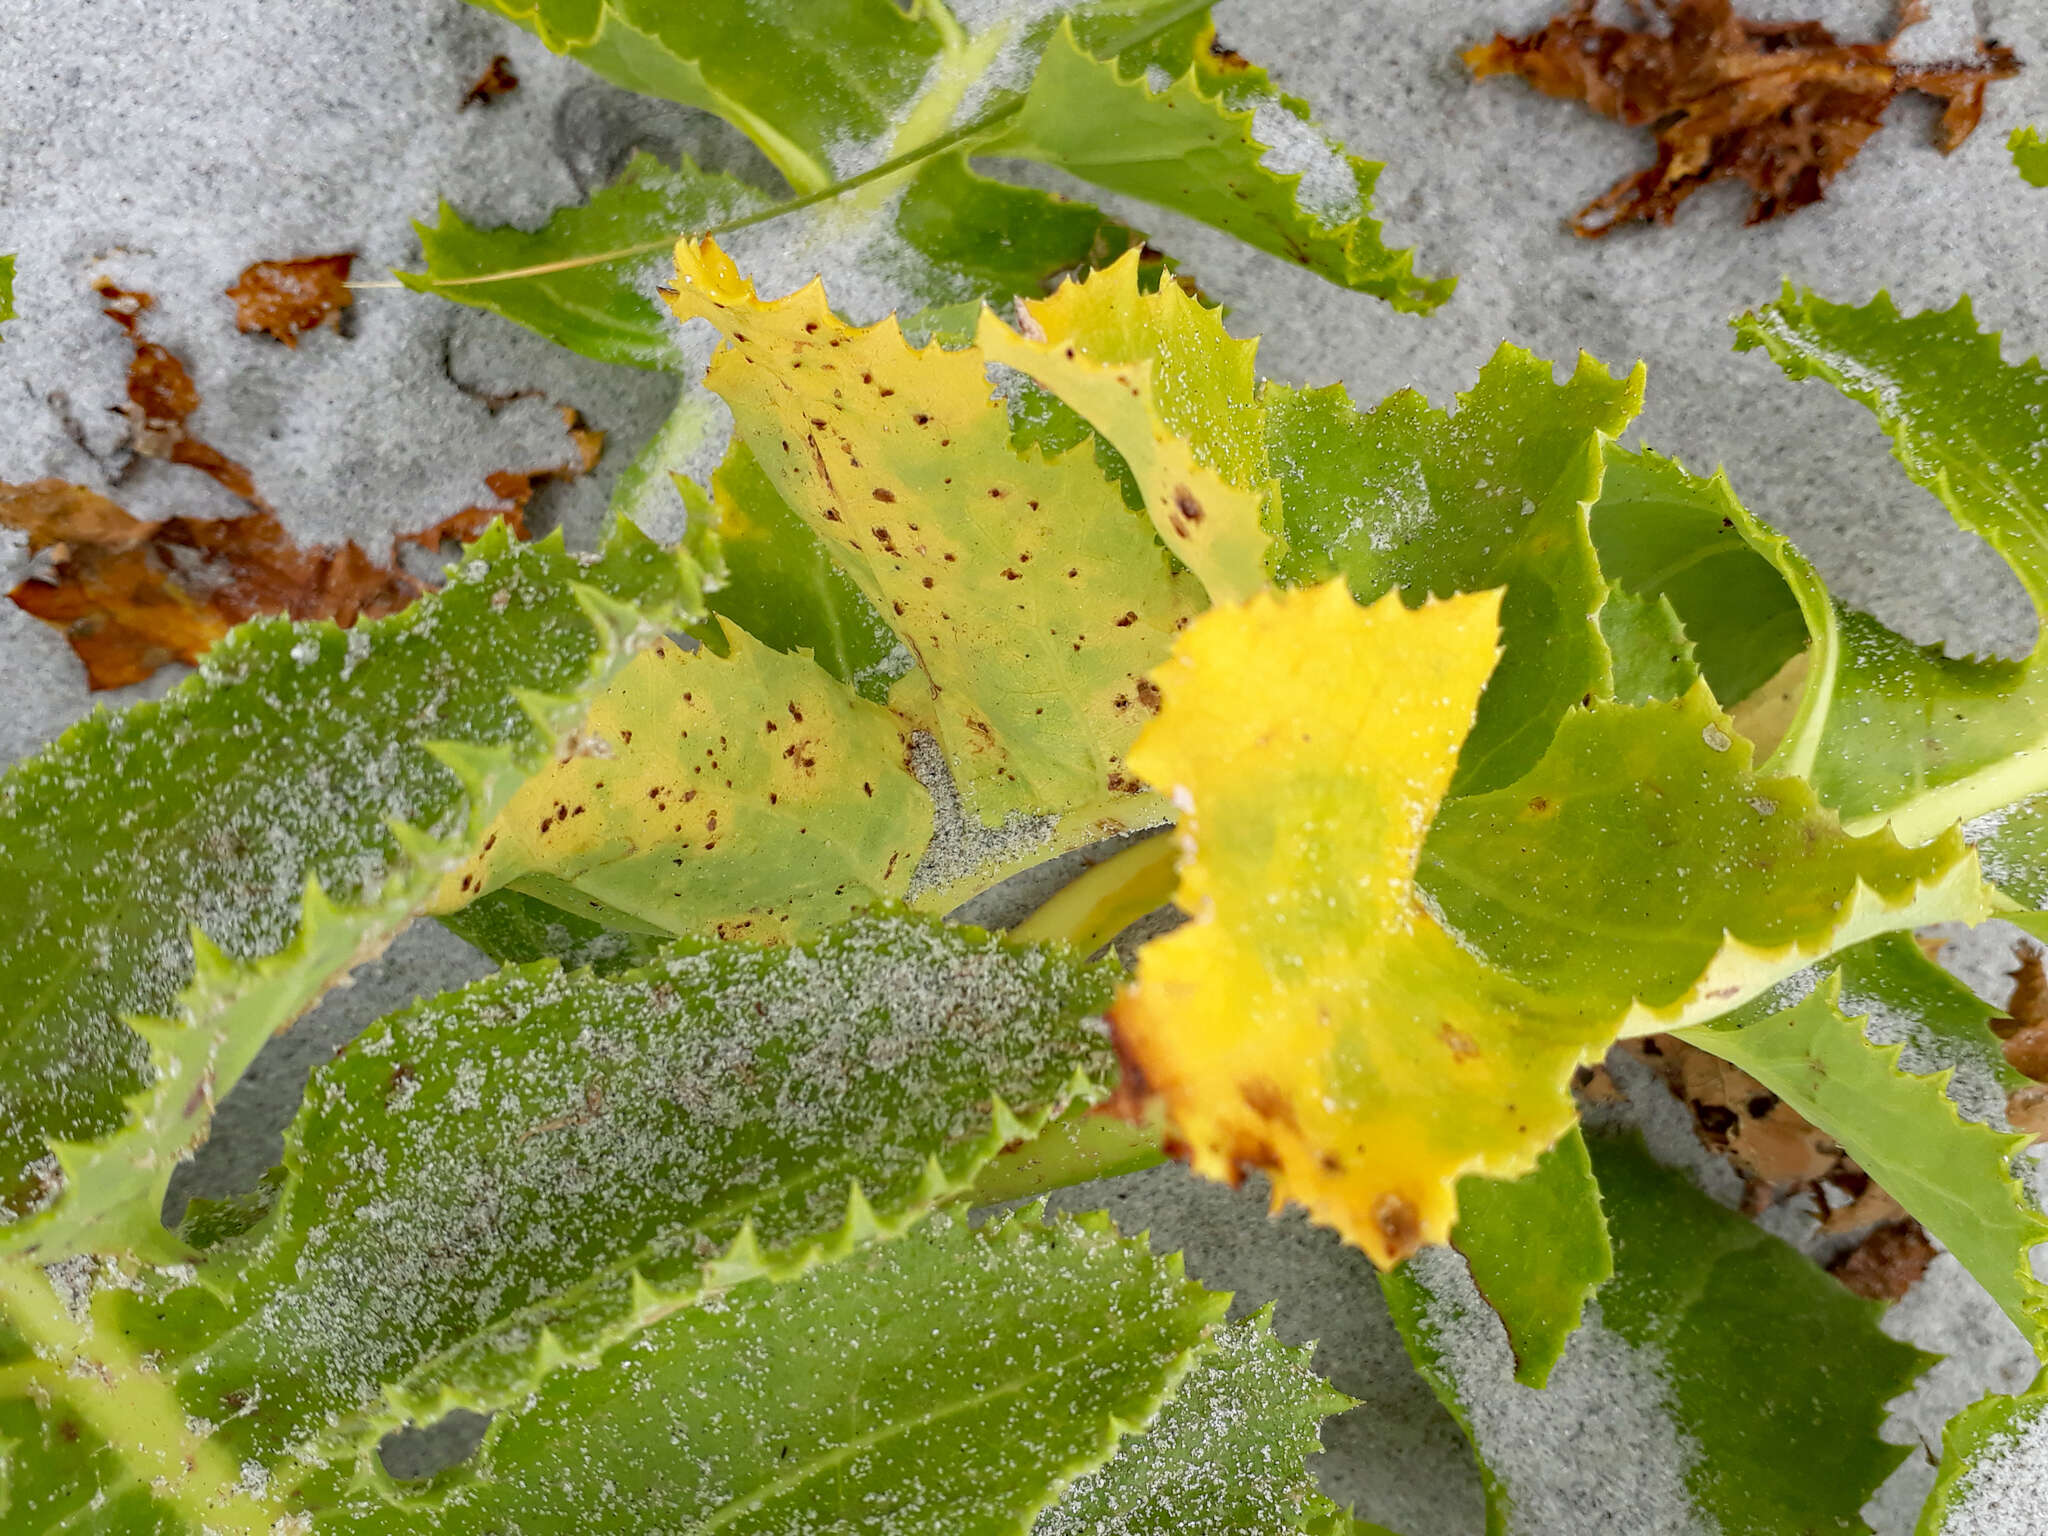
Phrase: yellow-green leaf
(1032, 597)
(750, 794)
(1175, 394)
(1314, 1019)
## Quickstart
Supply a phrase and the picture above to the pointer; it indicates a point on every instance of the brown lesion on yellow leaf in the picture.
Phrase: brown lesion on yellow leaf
(1265, 1099)
(1400, 1227)
(1461, 1045)
(1222, 57)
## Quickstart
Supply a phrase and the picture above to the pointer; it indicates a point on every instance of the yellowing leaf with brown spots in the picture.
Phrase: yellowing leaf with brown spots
(1033, 598)
(1314, 1020)
(1174, 393)
(751, 795)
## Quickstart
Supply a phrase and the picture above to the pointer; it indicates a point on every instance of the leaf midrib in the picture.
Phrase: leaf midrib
(802, 1473)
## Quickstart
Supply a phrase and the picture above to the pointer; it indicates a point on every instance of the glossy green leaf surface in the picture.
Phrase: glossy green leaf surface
(1218, 142)
(456, 1224)
(1537, 1248)
(860, 104)
(1894, 1106)
(1648, 651)
(946, 1382)
(1991, 1456)
(1646, 865)
(191, 874)
(804, 82)
(1719, 1365)
(1407, 497)
(6, 288)
(1228, 1452)
(513, 928)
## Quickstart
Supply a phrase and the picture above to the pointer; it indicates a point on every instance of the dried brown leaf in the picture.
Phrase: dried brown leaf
(2025, 1027)
(1780, 105)
(289, 298)
(2027, 1109)
(161, 396)
(1887, 1263)
(1766, 1140)
(132, 596)
(496, 80)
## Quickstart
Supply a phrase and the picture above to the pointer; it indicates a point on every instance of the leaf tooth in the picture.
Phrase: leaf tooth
(1006, 1126)
(861, 1224)
(742, 1260)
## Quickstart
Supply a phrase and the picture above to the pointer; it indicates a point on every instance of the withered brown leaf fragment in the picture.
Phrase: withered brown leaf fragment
(2024, 1032)
(514, 488)
(1780, 105)
(1774, 1147)
(1888, 1263)
(289, 298)
(132, 596)
(161, 395)
(496, 80)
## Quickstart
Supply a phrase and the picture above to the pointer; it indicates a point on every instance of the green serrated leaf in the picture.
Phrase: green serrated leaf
(1537, 1248)
(953, 1381)
(1902, 733)
(1989, 1483)
(453, 1227)
(192, 874)
(6, 313)
(2029, 154)
(1647, 647)
(748, 794)
(586, 278)
(1716, 1372)
(1408, 497)
(1228, 1453)
(1748, 602)
(1902, 1123)
(986, 241)
(1646, 867)
(1219, 143)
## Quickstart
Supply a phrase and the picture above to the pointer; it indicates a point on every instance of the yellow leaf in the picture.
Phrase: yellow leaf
(1174, 393)
(1032, 597)
(1313, 1019)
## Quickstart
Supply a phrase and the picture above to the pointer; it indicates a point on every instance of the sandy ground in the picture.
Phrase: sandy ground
(167, 146)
